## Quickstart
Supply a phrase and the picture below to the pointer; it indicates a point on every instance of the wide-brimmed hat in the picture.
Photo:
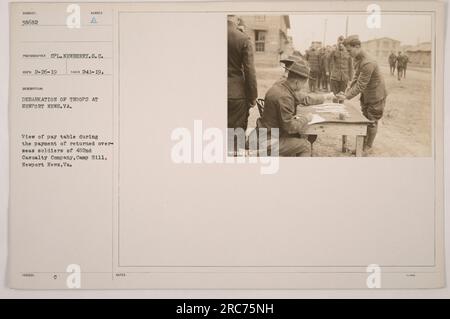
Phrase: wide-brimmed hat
(300, 68)
(291, 59)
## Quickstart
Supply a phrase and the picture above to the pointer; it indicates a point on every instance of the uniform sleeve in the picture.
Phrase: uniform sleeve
(249, 71)
(350, 68)
(306, 99)
(331, 62)
(327, 63)
(289, 122)
(361, 82)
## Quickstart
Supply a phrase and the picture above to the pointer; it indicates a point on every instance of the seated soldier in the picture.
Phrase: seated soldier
(280, 110)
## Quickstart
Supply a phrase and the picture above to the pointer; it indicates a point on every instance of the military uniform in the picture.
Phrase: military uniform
(368, 81)
(280, 112)
(242, 86)
(341, 69)
(312, 56)
(392, 61)
(401, 65)
(324, 69)
(402, 61)
(405, 64)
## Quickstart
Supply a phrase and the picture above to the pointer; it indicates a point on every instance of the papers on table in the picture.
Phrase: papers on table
(330, 108)
(316, 119)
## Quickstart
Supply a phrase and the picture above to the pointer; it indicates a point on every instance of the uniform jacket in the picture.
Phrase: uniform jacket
(241, 68)
(280, 109)
(402, 61)
(341, 66)
(324, 61)
(312, 56)
(392, 59)
(367, 80)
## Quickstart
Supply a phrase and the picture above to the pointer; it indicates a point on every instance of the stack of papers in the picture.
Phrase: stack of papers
(330, 108)
(316, 119)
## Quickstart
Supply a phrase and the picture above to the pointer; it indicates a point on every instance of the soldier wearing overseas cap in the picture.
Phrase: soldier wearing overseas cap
(369, 82)
(280, 110)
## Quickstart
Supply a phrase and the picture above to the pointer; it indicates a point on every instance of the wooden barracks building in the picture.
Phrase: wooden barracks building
(269, 35)
(381, 48)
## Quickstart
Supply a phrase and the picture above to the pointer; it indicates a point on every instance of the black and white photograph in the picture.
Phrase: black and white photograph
(152, 149)
(332, 85)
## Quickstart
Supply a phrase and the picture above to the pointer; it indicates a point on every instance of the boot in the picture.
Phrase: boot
(370, 137)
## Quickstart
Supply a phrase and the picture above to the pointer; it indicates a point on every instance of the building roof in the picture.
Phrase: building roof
(405, 47)
(421, 47)
(378, 39)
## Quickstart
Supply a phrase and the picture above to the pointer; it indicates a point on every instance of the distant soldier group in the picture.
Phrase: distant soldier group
(319, 62)
(331, 67)
(399, 62)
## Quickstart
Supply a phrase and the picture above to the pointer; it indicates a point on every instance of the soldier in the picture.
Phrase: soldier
(392, 61)
(323, 69)
(341, 67)
(402, 61)
(405, 64)
(242, 86)
(312, 56)
(327, 67)
(280, 110)
(368, 81)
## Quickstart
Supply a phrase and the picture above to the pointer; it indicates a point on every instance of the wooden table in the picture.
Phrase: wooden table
(354, 124)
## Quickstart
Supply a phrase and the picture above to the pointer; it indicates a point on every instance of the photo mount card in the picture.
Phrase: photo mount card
(167, 145)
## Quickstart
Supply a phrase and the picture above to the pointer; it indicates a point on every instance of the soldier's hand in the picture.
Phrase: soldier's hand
(341, 96)
(329, 96)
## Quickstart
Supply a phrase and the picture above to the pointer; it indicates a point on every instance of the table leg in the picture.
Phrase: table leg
(359, 145)
(344, 143)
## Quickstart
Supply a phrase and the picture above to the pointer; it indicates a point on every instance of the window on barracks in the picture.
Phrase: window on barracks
(260, 18)
(260, 40)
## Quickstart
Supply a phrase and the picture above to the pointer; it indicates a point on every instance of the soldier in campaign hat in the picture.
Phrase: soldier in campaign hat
(280, 110)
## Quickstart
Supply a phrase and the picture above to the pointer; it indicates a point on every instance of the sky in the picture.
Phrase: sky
(409, 29)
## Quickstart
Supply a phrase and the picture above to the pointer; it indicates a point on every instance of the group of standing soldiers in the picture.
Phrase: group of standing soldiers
(399, 62)
(331, 67)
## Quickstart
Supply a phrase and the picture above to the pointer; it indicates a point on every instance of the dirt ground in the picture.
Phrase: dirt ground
(404, 130)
